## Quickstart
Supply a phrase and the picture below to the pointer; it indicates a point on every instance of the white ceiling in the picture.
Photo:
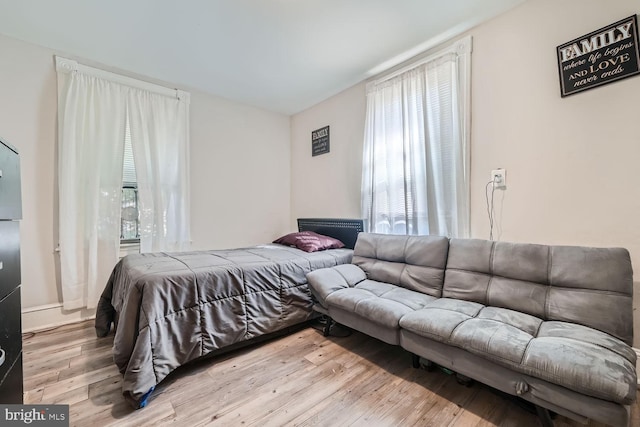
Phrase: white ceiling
(281, 55)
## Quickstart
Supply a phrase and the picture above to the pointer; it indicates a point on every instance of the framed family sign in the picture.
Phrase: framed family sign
(320, 141)
(603, 56)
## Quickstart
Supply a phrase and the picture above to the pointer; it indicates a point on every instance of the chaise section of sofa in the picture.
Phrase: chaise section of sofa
(390, 276)
(551, 324)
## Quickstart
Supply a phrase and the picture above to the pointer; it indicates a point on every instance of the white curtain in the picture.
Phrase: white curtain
(416, 151)
(93, 107)
(160, 142)
(91, 123)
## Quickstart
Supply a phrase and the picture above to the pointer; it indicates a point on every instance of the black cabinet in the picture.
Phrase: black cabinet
(10, 199)
(10, 323)
(9, 257)
(11, 349)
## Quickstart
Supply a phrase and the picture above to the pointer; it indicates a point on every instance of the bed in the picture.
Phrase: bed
(171, 308)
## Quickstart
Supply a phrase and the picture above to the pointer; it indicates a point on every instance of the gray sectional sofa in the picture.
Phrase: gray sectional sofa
(550, 324)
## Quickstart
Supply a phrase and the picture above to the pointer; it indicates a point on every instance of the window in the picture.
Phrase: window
(96, 109)
(416, 151)
(129, 217)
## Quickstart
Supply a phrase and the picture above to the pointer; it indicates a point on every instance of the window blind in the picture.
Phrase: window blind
(128, 165)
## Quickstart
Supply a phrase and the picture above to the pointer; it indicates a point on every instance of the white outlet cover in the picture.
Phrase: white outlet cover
(499, 178)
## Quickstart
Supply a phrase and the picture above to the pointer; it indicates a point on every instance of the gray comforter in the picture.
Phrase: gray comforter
(171, 308)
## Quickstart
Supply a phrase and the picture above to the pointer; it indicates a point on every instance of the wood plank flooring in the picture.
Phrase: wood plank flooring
(303, 379)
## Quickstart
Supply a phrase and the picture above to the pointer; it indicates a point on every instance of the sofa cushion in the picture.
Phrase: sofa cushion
(324, 281)
(379, 302)
(562, 353)
(413, 262)
(548, 282)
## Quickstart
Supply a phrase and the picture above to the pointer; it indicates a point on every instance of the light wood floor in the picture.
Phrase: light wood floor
(301, 379)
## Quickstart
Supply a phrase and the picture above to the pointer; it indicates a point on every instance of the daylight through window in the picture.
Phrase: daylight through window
(129, 218)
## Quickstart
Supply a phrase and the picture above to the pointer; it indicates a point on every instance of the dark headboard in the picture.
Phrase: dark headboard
(345, 230)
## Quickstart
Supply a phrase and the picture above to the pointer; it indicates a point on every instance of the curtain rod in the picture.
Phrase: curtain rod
(65, 65)
(458, 47)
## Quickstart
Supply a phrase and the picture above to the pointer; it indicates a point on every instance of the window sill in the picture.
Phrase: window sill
(129, 249)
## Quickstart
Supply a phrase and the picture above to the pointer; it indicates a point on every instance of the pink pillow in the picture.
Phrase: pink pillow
(309, 241)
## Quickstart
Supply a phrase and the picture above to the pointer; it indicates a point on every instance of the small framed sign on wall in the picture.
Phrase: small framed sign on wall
(603, 56)
(320, 141)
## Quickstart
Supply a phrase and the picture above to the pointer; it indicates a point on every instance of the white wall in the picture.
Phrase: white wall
(328, 185)
(240, 173)
(28, 121)
(572, 163)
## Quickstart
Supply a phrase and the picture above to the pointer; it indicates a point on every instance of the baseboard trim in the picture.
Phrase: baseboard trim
(49, 316)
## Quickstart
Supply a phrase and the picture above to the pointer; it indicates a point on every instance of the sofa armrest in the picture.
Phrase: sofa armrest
(325, 281)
